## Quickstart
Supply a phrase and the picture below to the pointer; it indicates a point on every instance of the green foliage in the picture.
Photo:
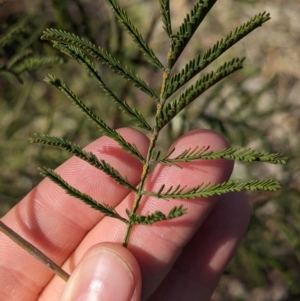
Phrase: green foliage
(166, 17)
(202, 61)
(190, 24)
(194, 91)
(85, 62)
(67, 39)
(134, 33)
(103, 208)
(167, 107)
(237, 154)
(89, 157)
(106, 130)
(206, 190)
(157, 216)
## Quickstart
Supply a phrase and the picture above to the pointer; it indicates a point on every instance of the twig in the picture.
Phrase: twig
(32, 250)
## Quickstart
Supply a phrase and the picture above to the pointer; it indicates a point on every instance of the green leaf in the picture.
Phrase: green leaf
(106, 130)
(202, 61)
(172, 108)
(207, 190)
(165, 16)
(77, 54)
(105, 209)
(186, 30)
(176, 212)
(157, 216)
(99, 54)
(237, 154)
(134, 33)
(88, 157)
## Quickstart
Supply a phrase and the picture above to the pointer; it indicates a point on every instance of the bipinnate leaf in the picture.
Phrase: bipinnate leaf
(207, 190)
(237, 154)
(172, 108)
(99, 54)
(77, 54)
(88, 157)
(186, 30)
(166, 109)
(134, 33)
(103, 208)
(105, 129)
(199, 63)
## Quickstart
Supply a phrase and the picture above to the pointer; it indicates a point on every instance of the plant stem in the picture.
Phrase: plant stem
(153, 138)
(146, 166)
(127, 235)
(144, 175)
(32, 250)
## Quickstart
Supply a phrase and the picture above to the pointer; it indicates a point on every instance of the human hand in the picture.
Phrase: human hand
(181, 259)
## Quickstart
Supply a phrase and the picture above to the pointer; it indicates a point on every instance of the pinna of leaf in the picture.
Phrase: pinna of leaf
(167, 107)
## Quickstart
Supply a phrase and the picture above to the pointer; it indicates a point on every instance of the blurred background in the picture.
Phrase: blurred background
(256, 107)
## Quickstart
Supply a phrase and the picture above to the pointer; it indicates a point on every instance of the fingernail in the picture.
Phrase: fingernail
(103, 275)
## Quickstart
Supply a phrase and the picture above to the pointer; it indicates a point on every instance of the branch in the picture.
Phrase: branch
(33, 251)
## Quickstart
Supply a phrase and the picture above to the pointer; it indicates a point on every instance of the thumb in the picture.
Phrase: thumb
(106, 272)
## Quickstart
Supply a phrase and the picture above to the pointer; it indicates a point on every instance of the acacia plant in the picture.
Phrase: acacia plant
(175, 95)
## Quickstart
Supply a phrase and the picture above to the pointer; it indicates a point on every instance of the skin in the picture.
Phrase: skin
(181, 259)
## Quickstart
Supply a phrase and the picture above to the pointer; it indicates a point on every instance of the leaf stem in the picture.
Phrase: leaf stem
(32, 250)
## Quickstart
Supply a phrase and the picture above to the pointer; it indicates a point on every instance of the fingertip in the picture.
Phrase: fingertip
(107, 271)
